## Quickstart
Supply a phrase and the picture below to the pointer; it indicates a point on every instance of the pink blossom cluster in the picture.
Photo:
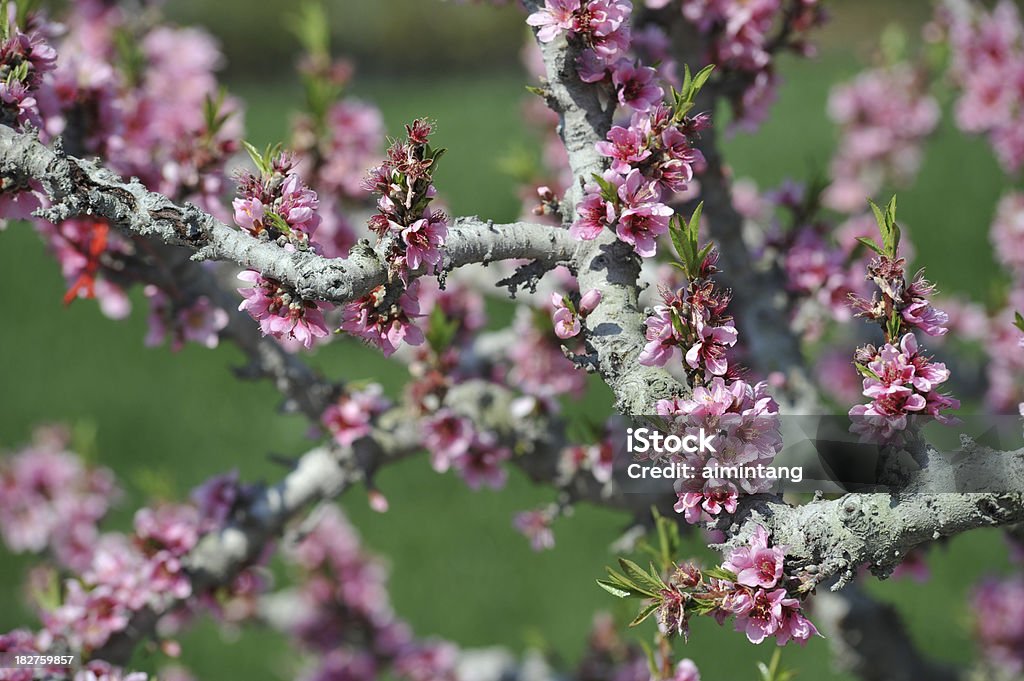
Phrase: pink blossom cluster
(751, 587)
(277, 205)
(819, 273)
(600, 27)
(281, 312)
(343, 613)
(693, 322)
(200, 322)
(50, 500)
(987, 64)
(743, 37)
(901, 382)
(885, 115)
(25, 58)
(747, 418)
(385, 317)
(404, 186)
(454, 442)
(1002, 338)
(651, 159)
(350, 417)
(999, 624)
(910, 301)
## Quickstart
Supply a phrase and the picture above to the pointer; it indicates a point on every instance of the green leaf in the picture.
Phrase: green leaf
(641, 579)
(1018, 321)
(866, 372)
(257, 157)
(614, 589)
(644, 614)
(870, 243)
(895, 323)
(539, 91)
(720, 573)
(677, 230)
(701, 78)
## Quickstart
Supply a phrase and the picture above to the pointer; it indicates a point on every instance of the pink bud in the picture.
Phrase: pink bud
(589, 301)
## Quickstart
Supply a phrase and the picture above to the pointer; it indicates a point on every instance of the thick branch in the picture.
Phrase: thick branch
(616, 327)
(78, 187)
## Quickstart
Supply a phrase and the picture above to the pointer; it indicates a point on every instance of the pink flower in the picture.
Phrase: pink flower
(642, 226)
(637, 86)
(248, 214)
(567, 323)
(593, 214)
(446, 435)
(423, 241)
(298, 205)
(757, 565)
(764, 617)
(709, 351)
(350, 417)
(482, 463)
(627, 147)
(555, 17)
(662, 341)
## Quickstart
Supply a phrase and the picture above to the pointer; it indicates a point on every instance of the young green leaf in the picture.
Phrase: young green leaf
(644, 614)
(615, 589)
(870, 243)
(652, 584)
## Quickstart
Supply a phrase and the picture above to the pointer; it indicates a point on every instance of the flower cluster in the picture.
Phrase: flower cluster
(987, 64)
(48, 499)
(454, 442)
(385, 317)
(752, 587)
(651, 159)
(747, 418)
(999, 627)
(25, 58)
(901, 382)
(341, 612)
(536, 363)
(201, 322)
(276, 205)
(693, 321)
(281, 312)
(601, 27)
(82, 247)
(885, 115)
(350, 417)
(898, 378)
(404, 186)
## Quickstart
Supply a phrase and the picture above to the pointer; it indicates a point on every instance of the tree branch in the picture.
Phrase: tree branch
(78, 187)
(616, 327)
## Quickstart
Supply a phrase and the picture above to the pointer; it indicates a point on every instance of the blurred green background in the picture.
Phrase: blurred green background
(164, 422)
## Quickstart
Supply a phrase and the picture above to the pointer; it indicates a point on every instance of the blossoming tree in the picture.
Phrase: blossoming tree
(694, 297)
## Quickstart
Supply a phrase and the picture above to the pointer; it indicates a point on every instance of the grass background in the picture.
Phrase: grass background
(167, 421)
